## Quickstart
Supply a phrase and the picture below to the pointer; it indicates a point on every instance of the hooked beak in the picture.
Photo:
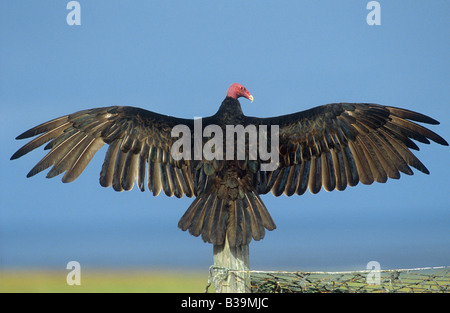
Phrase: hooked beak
(250, 98)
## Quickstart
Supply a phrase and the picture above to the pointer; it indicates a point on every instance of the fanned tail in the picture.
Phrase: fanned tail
(239, 220)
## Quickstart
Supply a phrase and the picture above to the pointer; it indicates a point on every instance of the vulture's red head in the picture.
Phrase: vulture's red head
(237, 90)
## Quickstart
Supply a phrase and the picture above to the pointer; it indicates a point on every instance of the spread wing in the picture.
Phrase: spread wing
(139, 142)
(340, 144)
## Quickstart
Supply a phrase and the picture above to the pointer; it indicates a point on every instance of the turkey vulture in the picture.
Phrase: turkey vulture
(331, 146)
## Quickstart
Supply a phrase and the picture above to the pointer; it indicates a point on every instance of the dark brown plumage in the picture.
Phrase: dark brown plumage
(331, 146)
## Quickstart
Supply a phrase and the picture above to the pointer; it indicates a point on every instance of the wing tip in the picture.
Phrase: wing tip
(14, 156)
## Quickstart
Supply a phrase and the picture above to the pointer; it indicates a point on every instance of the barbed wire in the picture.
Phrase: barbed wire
(414, 280)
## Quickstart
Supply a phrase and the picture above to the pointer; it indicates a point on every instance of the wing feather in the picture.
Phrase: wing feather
(137, 139)
(341, 144)
(83, 159)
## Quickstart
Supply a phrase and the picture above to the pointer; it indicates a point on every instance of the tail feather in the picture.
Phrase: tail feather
(267, 220)
(209, 218)
(256, 220)
(215, 219)
(217, 232)
(200, 216)
(186, 221)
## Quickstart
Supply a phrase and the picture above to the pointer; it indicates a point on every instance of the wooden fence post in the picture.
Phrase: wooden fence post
(236, 258)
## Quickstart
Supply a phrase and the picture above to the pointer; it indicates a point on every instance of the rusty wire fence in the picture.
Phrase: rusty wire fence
(417, 280)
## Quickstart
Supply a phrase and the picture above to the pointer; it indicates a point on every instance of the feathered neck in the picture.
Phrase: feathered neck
(230, 110)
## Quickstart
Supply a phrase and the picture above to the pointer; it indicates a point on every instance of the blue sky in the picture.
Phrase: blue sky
(178, 58)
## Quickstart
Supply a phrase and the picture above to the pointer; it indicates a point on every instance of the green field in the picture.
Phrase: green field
(28, 281)
(167, 281)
